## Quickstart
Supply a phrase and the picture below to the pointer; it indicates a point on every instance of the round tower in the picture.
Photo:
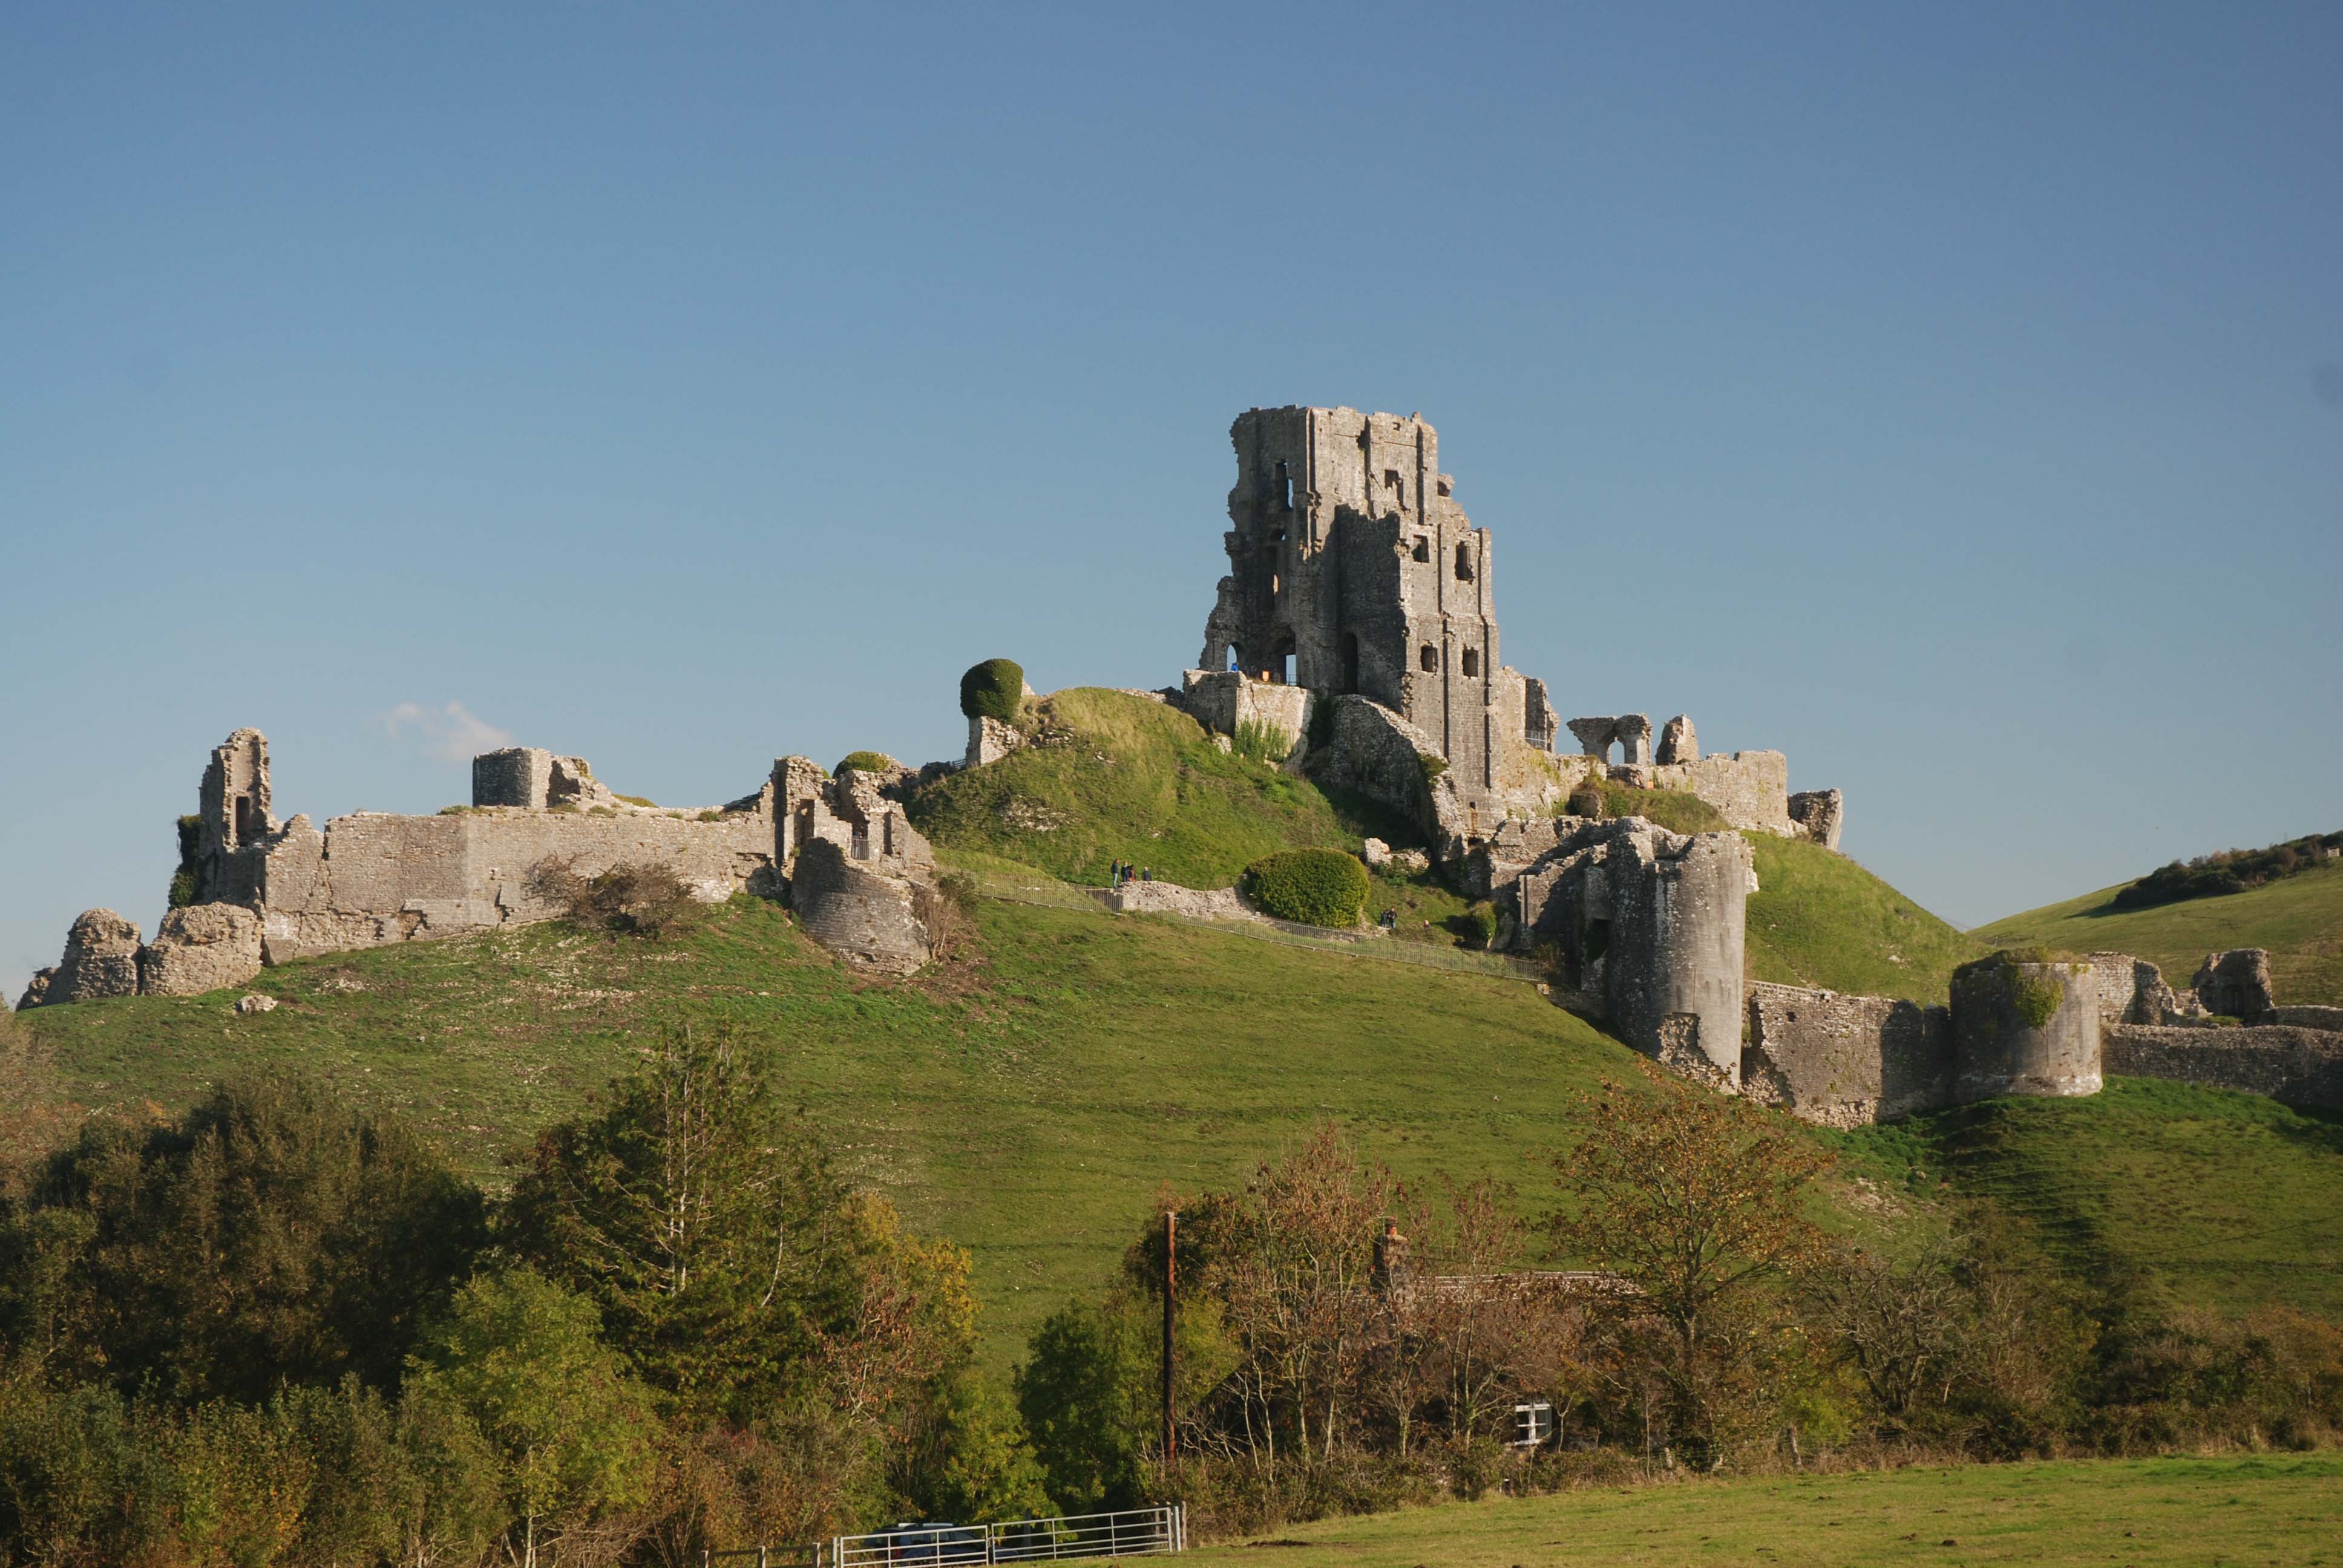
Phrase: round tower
(2024, 1023)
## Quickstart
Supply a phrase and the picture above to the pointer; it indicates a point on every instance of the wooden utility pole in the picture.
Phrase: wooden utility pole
(1171, 1306)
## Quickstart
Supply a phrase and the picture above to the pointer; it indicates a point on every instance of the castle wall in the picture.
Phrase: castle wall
(2298, 1065)
(1749, 789)
(1844, 1061)
(1221, 702)
(373, 878)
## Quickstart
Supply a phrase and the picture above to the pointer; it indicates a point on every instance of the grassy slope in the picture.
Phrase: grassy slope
(2230, 1199)
(2299, 919)
(2250, 1510)
(1031, 1120)
(1140, 782)
(1820, 920)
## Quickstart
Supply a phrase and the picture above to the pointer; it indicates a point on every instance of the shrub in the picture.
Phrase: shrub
(1587, 800)
(864, 763)
(636, 900)
(2230, 871)
(191, 846)
(1315, 887)
(1477, 924)
(1259, 740)
(993, 689)
(1433, 766)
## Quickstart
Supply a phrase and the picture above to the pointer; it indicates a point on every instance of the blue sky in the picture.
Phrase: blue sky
(1950, 398)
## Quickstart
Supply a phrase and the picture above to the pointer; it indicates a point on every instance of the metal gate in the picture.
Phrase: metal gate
(1134, 1532)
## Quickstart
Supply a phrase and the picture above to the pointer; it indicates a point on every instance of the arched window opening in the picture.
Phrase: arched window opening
(1427, 659)
(1423, 547)
(1284, 492)
(1471, 661)
(1464, 562)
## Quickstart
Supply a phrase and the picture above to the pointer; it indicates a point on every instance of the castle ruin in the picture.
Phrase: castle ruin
(1356, 629)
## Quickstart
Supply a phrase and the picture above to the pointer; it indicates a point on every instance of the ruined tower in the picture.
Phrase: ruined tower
(1351, 570)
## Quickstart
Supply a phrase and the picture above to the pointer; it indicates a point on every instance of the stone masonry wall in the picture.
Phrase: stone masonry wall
(1845, 1060)
(2298, 1065)
(372, 877)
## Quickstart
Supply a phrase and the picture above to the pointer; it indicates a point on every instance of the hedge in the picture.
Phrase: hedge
(993, 689)
(1315, 887)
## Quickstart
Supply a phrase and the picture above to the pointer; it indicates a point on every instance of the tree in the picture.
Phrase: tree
(573, 1429)
(702, 1222)
(273, 1233)
(1696, 1200)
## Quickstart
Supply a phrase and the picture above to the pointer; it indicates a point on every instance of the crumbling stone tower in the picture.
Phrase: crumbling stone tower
(1351, 570)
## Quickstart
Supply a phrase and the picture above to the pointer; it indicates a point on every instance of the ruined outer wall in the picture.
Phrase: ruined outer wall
(372, 877)
(1751, 789)
(1845, 1060)
(2298, 1065)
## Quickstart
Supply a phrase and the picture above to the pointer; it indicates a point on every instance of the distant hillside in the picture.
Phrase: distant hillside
(2299, 920)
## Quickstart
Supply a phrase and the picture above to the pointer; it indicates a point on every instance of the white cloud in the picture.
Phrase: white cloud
(452, 734)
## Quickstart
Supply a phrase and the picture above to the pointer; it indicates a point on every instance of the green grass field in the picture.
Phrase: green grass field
(2299, 919)
(2283, 1510)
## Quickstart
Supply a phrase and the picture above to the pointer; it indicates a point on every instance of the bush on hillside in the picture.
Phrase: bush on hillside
(864, 763)
(634, 900)
(2230, 871)
(993, 689)
(1315, 887)
(1259, 740)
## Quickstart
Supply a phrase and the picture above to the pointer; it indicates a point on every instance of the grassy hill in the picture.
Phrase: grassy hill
(1120, 777)
(2299, 919)
(1032, 1117)
(1030, 1105)
(1030, 1108)
(1818, 919)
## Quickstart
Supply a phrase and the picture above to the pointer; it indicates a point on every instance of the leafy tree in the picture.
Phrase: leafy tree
(573, 1431)
(700, 1219)
(272, 1233)
(1697, 1200)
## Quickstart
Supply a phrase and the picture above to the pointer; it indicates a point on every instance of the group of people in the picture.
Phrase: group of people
(1125, 872)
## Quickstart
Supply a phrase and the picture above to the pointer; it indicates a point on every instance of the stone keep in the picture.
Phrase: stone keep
(1352, 572)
